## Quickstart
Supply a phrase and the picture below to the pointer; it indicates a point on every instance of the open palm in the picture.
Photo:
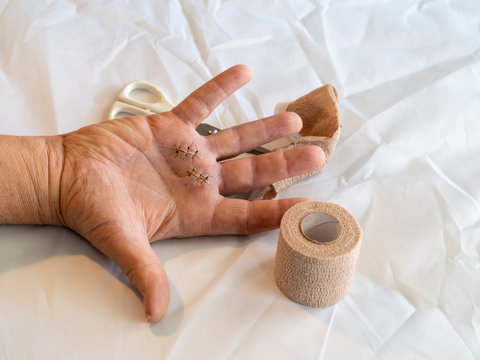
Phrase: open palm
(131, 181)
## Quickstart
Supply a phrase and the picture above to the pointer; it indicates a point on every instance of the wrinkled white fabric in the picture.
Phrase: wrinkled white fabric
(406, 166)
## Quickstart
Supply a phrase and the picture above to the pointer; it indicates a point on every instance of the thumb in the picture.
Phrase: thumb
(133, 253)
(150, 279)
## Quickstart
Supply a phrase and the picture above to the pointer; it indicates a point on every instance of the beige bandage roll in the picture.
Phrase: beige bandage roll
(317, 252)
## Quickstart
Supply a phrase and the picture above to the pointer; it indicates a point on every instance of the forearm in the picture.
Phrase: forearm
(30, 169)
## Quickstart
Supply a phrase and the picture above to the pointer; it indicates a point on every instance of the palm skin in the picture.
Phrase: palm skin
(124, 185)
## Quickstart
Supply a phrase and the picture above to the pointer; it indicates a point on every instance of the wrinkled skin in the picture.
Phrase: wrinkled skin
(124, 186)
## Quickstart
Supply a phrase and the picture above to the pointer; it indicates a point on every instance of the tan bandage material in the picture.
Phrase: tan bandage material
(314, 273)
(321, 126)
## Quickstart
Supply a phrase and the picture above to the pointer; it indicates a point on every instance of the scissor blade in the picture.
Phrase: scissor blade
(205, 129)
(259, 151)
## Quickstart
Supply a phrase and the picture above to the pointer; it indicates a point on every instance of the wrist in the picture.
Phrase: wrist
(53, 172)
(30, 171)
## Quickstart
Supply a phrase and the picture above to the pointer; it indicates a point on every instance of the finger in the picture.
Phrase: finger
(242, 175)
(198, 105)
(133, 253)
(242, 138)
(235, 216)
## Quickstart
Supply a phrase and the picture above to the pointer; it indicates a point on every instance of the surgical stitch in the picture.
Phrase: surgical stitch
(199, 177)
(188, 152)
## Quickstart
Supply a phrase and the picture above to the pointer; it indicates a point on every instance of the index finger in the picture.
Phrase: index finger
(199, 104)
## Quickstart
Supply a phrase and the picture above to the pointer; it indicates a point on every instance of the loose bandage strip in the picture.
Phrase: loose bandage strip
(321, 126)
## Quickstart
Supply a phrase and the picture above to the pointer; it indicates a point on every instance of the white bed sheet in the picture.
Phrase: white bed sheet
(407, 166)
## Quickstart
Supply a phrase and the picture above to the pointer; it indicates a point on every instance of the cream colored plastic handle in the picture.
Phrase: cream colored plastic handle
(126, 104)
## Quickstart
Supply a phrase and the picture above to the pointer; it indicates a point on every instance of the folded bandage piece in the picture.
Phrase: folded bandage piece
(319, 112)
(321, 126)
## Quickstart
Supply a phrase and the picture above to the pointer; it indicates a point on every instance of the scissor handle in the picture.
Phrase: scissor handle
(129, 105)
(119, 107)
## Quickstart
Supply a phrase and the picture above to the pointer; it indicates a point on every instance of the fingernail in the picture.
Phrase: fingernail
(147, 317)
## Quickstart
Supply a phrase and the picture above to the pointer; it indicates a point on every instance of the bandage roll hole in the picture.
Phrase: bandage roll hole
(320, 228)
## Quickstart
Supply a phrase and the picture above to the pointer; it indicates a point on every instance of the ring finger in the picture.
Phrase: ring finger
(242, 175)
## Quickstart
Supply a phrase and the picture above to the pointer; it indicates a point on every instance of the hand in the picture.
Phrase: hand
(128, 182)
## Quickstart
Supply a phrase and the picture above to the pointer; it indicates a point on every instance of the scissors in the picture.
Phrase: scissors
(144, 98)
